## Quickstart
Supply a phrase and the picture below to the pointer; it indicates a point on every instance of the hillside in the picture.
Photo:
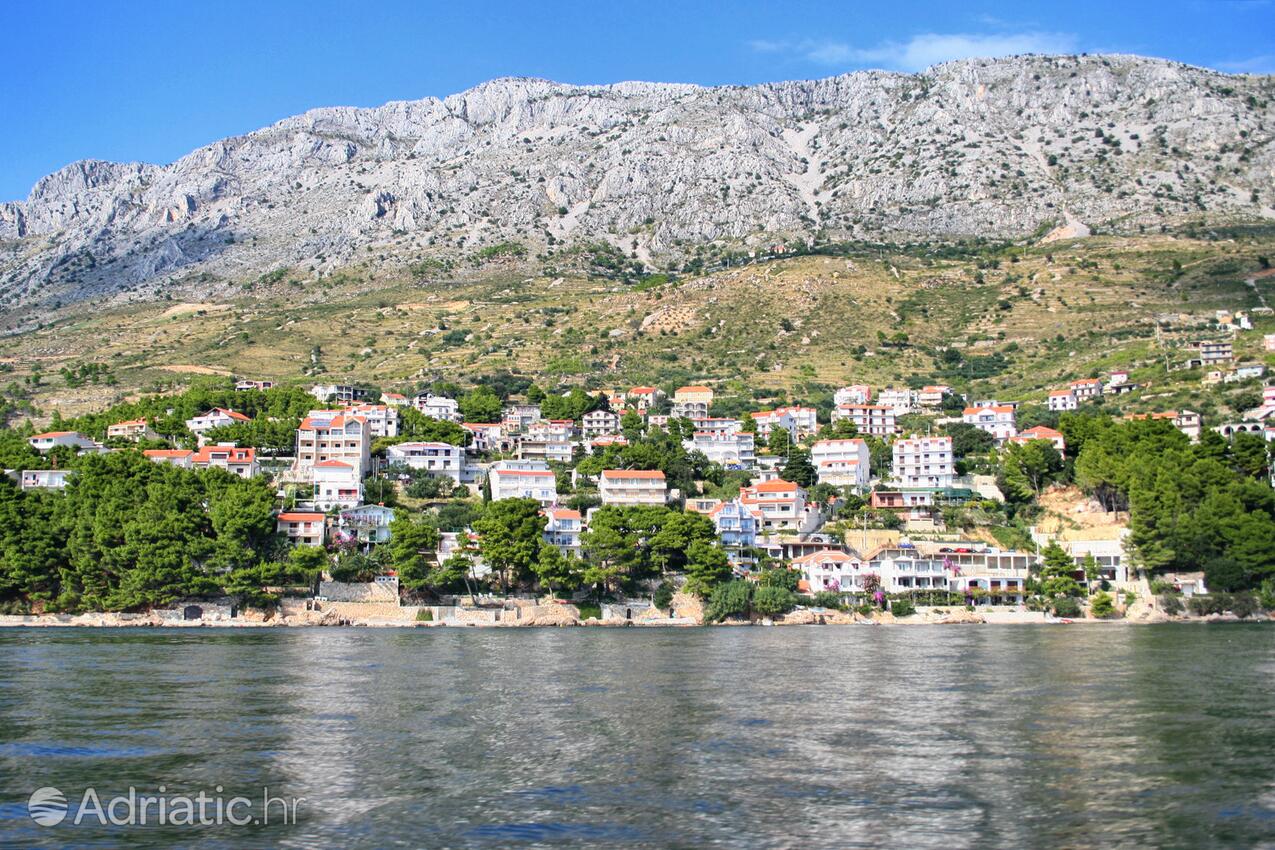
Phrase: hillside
(994, 321)
(660, 172)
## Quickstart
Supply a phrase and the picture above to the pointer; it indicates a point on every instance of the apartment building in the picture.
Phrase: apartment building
(900, 399)
(923, 462)
(997, 420)
(932, 396)
(645, 398)
(437, 460)
(876, 420)
(337, 484)
(736, 529)
(1086, 389)
(522, 479)
(842, 463)
(520, 417)
(218, 417)
(339, 394)
(302, 528)
(692, 402)
(599, 423)
(779, 505)
(734, 450)
(633, 487)
(562, 529)
(382, 419)
(853, 394)
(324, 435)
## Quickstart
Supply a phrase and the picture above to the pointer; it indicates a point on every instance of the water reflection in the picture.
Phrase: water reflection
(952, 737)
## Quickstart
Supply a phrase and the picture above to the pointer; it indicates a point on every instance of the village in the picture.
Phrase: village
(843, 509)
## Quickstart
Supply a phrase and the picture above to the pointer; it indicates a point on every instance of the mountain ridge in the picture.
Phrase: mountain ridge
(1000, 148)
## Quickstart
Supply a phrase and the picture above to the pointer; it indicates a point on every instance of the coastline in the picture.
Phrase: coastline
(257, 620)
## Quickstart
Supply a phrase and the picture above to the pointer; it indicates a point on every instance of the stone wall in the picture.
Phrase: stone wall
(364, 591)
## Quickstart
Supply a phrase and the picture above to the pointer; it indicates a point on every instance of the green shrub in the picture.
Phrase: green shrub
(1244, 605)
(771, 601)
(1171, 603)
(1213, 603)
(780, 577)
(902, 608)
(1102, 606)
(828, 599)
(589, 610)
(1160, 587)
(424, 616)
(865, 609)
(1066, 606)
(729, 599)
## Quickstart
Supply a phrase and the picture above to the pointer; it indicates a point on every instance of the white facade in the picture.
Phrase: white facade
(902, 400)
(923, 462)
(633, 487)
(841, 463)
(337, 484)
(1061, 400)
(71, 439)
(853, 394)
(522, 479)
(323, 435)
(599, 423)
(997, 420)
(733, 450)
(438, 407)
(44, 479)
(218, 417)
(382, 419)
(870, 419)
(439, 460)
(562, 529)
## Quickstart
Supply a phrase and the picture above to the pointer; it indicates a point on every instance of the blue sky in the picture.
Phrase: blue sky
(150, 81)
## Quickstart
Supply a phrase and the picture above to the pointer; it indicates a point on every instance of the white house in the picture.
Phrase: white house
(44, 479)
(1062, 400)
(1086, 389)
(932, 396)
(633, 487)
(692, 402)
(778, 505)
(218, 417)
(853, 394)
(325, 435)
(382, 419)
(832, 570)
(1041, 432)
(562, 529)
(132, 429)
(438, 460)
(364, 524)
(901, 399)
(70, 439)
(600, 423)
(923, 462)
(997, 420)
(876, 420)
(338, 393)
(735, 449)
(438, 407)
(302, 528)
(519, 417)
(841, 463)
(337, 484)
(227, 456)
(522, 479)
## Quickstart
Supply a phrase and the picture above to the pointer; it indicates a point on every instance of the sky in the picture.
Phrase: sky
(151, 81)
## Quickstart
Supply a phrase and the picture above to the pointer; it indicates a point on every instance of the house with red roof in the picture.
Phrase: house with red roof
(633, 487)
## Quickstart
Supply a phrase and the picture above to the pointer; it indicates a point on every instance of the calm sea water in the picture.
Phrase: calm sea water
(916, 737)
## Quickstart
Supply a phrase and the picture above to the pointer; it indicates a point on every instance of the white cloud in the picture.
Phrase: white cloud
(922, 50)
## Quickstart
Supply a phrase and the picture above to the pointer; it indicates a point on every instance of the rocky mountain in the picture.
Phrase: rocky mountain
(1010, 147)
